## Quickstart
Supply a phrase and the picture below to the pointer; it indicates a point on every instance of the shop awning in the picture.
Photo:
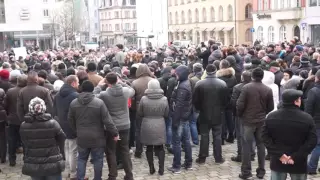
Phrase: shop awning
(227, 28)
(218, 29)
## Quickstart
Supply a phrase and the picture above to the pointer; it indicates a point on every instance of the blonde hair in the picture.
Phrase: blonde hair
(315, 55)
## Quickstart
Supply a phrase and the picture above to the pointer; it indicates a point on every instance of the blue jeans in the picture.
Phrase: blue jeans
(54, 177)
(181, 134)
(97, 158)
(193, 128)
(169, 131)
(283, 176)
(315, 154)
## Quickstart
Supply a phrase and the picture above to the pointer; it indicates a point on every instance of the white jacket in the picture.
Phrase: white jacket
(268, 80)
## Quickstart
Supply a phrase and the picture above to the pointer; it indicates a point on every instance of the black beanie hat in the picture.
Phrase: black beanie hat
(87, 86)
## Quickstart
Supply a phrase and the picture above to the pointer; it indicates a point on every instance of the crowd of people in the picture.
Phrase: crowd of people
(63, 106)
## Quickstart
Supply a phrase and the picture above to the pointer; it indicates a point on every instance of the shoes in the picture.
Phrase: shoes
(260, 173)
(220, 161)
(252, 158)
(174, 170)
(73, 178)
(3, 161)
(119, 166)
(230, 139)
(201, 161)
(137, 155)
(236, 158)
(267, 157)
(222, 142)
(245, 176)
(312, 173)
(187, 167)
(12, 164)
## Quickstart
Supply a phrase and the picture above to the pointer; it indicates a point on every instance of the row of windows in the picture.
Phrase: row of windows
(282, 33)
(117, 14)
(170, 3)
(117, 27)
(278, 4)
(313, 3)
(183, 20)
(116, 2)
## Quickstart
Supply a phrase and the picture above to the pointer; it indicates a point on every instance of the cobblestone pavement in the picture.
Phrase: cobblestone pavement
(209, 171)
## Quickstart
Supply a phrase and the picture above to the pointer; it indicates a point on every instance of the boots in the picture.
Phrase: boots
(161, 162)
(150, 162)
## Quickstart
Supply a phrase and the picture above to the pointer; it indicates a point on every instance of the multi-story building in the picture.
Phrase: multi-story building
(152, 23)
(311, 22)
(118, 22)
(94, 25)
(227, 21)
(278, 20)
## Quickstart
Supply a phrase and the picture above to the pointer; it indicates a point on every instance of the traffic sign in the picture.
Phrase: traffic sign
(252, 30)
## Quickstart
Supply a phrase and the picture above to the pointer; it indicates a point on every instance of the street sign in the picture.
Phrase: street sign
(303, 25)
(252, 30)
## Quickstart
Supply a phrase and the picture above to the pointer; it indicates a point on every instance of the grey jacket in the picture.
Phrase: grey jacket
(116, 99)
(120, 57)
(89, 117)
(154, 110)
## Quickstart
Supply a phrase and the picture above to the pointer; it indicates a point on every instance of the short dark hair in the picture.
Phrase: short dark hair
(32, 76)
(120, 46)
(43, 74)
(71, 71)
(257, 74)
(91, 67)
(224, 64)
(211, 68)
(61, 66)
(87, 86)
(112, 78)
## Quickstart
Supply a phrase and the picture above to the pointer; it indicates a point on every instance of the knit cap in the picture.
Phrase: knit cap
(37, 106)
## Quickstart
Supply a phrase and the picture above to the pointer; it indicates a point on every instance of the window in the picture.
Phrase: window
(170, 18)
(95, 13)
(117, 27)
(189, 16)
(212, 14)
(96, 26)
(45, 12)
(110, 2)
(299, 3)
(176, 16)
(196, 15)
(266, 5)
(182, 2)
(230, 13)
(124, 2)
(248, 35)
(116, 3)
(109, 15)
(45, 1)
(127, 14)
(110, 27)
(260, 4)
(116, 14)
(183, 18)
(102, 28)
(169, 3)
(132, 2)
(220, 13)
(283, 33)
(134, 14)
(271, 34)
(176, 2)
(248, 11)
(106, 27)
(260, 33)
(289, 3)
(189, 1)
(101, 15)
(281, 4)
(127, 27)
(134, 26)
(275, 4)
(313, 3)
(204, 15)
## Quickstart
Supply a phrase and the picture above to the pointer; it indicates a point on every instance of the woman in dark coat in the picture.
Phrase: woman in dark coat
(43, 141)
(154, 109)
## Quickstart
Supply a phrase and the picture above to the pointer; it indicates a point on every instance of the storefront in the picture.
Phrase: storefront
(312, 24)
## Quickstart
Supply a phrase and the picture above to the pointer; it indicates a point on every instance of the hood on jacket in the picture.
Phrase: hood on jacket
(143, 70)
(29, 118)
(182, 72)
(166, 73)
(154, 93)
(85, 98)
(225, 72)
(66, 90)
(115, 90)
(268, 78)
(215, 55)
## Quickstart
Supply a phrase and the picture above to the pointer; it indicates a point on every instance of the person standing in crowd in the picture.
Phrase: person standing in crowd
(92, 73)
(43, 74)
(61, 103)
(47, 67)
(31, 91)
(43, 140)
(181, 112)
(3, 122)
(139, 85)
(13, 120)
(154, 109)
(116, 99)
(289, 147)
(89, 117)
(119, 56)
(4, 80)
(254, 103)
(312, 107)
(210, 98)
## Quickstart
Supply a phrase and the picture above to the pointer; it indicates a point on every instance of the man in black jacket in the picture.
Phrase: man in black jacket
(90, 118)
(61, 103)
(312, 107)
(210, 97)
(254, 103)
(289, 147)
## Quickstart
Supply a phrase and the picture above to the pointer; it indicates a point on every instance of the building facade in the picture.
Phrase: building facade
(311, 22)
(278, 20)
(152, 22)
(94, 25)
(227, 21)
(118, 22)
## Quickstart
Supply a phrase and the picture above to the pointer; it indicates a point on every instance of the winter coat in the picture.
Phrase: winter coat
(312, 105)
(228, 76)
(307, 85)
(153, 109)
(210, 97)
(288, 58)
(163, 80)
(268, 80)
(181, 99)
(3, 113)
(278, 77)
(11, 106)
(48, 85)
(205, 58)
(239, 67)
(43, 141)
(139, 85)
(61, 105)
(5, 85)
(254, 103)
(89, 117)
(116, 99)
(302, 67)
(292, 132)
(194, 80)
(215, 55)
(172, 83)
(29, 92)
(235, 95)
(119, 57)
(94, 78)
(52, 77)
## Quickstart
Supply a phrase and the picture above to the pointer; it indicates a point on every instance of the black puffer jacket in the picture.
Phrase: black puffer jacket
(43, 141)
(163, 80)
(181, 99)
(172, 83)
(312, 105)
(228, 76)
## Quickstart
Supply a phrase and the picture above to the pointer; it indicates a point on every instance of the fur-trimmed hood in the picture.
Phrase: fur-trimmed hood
(225, 72)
